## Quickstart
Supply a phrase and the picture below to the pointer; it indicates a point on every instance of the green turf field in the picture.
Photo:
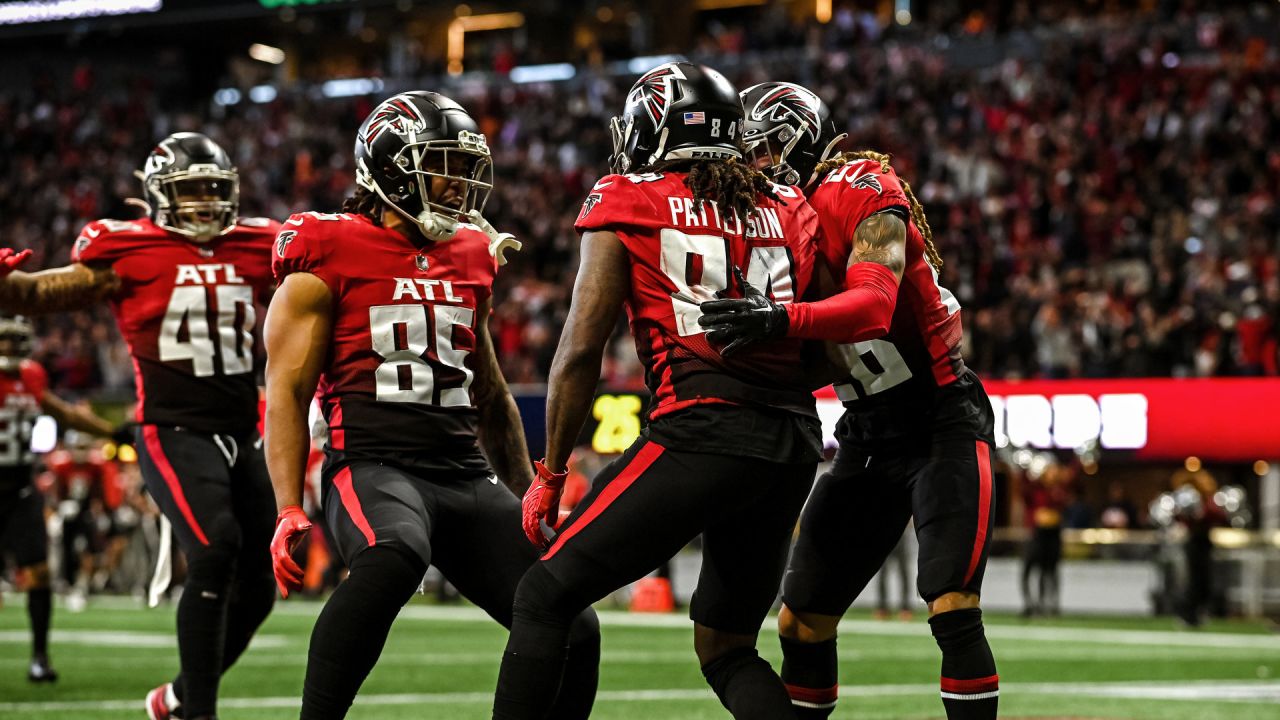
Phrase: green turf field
(441, 662)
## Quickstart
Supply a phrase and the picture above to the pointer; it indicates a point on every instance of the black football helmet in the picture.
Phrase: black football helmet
(191, 187)
(675, 111)
(416, 136)
(16, 334)
(791, 127)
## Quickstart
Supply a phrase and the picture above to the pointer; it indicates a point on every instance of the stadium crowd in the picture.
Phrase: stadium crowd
(1105, 204)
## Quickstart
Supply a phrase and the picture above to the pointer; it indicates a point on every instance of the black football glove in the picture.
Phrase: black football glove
(124, 434)
(735, 323)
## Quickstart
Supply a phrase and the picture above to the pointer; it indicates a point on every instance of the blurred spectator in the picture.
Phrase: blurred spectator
(1120, 513)
(1102, 181)
(1044, 497)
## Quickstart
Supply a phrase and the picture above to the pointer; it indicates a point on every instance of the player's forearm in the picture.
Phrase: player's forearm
(572, 385)
(287, 441)
(862, 312)
(502, 439)
(58, 290)
(86, 421)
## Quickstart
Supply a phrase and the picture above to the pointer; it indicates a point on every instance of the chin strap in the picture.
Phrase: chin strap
(498, 242)
(436, 227)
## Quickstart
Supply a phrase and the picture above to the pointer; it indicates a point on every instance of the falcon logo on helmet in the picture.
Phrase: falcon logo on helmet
(654, 91)
(397, 116)
(159, 159)
(788, 99)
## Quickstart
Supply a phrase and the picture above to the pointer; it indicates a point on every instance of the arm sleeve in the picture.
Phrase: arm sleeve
(864, 311)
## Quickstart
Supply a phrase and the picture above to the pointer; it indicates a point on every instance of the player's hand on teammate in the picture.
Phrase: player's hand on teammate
(735, 322)
(10, 260)
(542, 502)
(291, 526)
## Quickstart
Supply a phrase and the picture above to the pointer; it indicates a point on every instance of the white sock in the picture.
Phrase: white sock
(170, 700)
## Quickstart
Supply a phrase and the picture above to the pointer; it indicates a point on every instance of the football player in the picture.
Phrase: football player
(387, 307)
(731, 446)
(184, 284)
(915, 438)
(23, 396)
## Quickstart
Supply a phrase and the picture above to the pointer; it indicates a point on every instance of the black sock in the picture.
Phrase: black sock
(202, 625)
(352, 628)
(810, 672)
(747, 686)
(970, 686)
(40, 610)
(251, 602)
(534, 661)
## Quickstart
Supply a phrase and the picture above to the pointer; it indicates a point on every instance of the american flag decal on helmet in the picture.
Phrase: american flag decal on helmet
(397, 115)
(654, 90)
(791, 100)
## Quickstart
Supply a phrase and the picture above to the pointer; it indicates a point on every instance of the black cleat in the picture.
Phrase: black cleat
(41, 671)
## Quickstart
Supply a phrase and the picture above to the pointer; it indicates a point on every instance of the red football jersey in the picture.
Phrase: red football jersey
(396, 384)
(922, 348)
(93, 478)
(188, 312)
(682, 255)
(21, 393)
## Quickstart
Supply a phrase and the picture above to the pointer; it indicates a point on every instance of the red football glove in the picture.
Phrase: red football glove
(10, 260)
(540, 501)
(291, 525)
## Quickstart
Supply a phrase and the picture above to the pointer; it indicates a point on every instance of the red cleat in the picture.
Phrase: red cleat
(157, 703)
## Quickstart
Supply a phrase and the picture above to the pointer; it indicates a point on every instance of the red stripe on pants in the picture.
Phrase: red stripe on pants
(634, 469)
(984, 507)
(976, 685)
(351, 504)
(152, 438)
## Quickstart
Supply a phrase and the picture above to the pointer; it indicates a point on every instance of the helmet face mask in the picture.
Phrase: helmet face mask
(191, 187)
(423, 156)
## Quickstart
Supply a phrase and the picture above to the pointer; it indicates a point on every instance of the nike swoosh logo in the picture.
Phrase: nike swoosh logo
(92, 233)
(602, 184)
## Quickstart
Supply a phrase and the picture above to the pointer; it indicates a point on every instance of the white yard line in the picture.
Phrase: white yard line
(1103, 636)
(122, 639)
(1268, 691)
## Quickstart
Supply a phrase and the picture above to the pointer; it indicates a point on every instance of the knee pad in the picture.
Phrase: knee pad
(388, 569)
(957, 630)
(541, 597)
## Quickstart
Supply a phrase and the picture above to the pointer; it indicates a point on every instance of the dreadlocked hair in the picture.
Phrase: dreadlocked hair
(365, 202)
(917, 210)
(729, 183)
